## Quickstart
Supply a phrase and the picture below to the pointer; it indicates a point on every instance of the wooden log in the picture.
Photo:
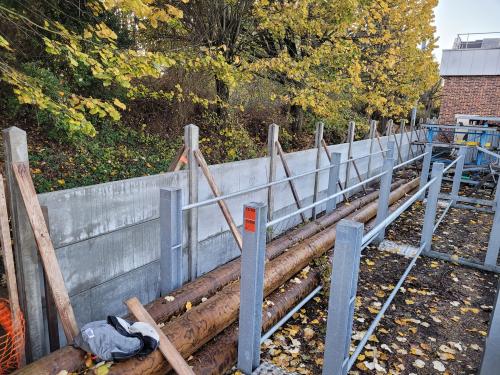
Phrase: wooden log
(219, 355)
(288, 173)
(166, 348)
(10, 272)
(325, 147)
(215, 190)
(46, 249)
(197, 326)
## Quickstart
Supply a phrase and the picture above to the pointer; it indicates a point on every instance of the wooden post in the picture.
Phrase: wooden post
(380, 143)
(10, 271)
(166, 347)
(46, 249)
(402, 130)
(317, 143)
(28, 268)
(191, 134)
(272, 139)
(215, 190)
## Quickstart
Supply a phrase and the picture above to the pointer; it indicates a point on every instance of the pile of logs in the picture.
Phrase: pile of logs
(213, 321)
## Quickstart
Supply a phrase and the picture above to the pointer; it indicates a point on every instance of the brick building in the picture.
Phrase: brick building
(471, 74)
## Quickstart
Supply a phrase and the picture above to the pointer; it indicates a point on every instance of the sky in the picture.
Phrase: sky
(464, 16)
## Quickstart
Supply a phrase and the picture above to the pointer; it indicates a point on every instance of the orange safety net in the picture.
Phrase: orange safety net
(11, 339)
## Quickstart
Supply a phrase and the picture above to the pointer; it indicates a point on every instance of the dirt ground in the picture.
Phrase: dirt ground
(438, 321)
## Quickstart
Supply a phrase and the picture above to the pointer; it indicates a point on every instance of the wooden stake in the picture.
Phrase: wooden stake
(379, 142)
(166, 347)
(10, 271)
(397, 147)
(357, 174)
(215, 190)
(46, 249)
(291, 183)
(325, 147)
(179, 159)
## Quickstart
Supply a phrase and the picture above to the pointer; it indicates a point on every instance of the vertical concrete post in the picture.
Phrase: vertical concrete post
(171, 274)
(318, 137)
(426, 164)
(350, 140)
(431, 206)
(388, 131)
(191, 135)
(402, 129)
(373, 129)
(272, 153)
(344, 282)
(251, 286)
(333, 178)
(413, 120)
(28, 267)
(385, 192)
(494, 242)
(457, 178)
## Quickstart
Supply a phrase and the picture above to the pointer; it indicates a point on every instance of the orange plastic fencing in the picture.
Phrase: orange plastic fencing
(11, 339)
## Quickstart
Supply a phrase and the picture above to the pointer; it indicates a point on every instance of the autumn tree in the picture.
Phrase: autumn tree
(395, 39)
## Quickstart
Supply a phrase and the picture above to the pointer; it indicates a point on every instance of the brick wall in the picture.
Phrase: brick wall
(473, 95)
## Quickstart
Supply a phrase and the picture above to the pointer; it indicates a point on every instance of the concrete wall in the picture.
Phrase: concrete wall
(107, 236)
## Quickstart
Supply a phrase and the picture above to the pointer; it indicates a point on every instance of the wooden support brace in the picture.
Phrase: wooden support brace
(46, 249)
(379, 142)
(10, 272)
(288, 173)
(166, 347)
(215, 190)
(400, 158)
(179, 159)
(325, 147)
(358, 174)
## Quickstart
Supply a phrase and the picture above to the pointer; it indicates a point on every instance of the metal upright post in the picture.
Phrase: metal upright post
(333, 178)
(373, 129)
(457, 178)
(350, 140)
(171, 275)
(317, 143)
(426, 164)
(431, 206)
(272, 152)
(385, 192)
(344, 283)
(494, 242)
(251, 286)
(191, 135)
(491, 360)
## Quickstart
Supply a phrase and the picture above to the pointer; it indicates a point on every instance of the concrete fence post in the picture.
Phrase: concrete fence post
(272, 153)
(426, 164)
(350, 139)
(191, 135)
(457, 178)
(494, 241)
(28, 267)
(333, 179)
(171, 275)
(373, 129)
(344, 282)
(385, 191)
(251, 286)
(402, 129)
(413, 120)
(318, 137)
(431, 206)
